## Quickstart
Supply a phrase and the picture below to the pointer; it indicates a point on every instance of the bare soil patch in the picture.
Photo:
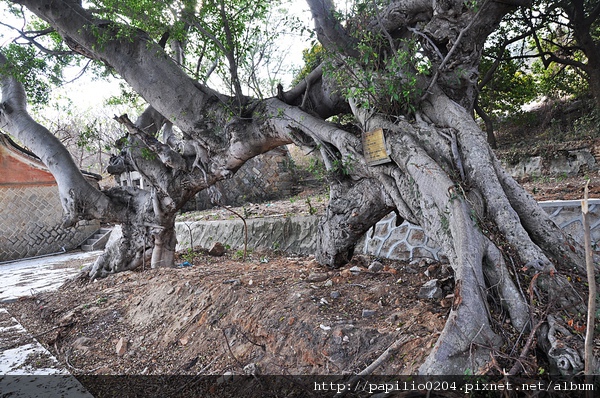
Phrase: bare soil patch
(270, 315)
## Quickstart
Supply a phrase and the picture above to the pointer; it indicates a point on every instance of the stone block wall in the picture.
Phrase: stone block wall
(265, 177)
(408, 241)
(30, 223)
(402, 242)
(567, 215)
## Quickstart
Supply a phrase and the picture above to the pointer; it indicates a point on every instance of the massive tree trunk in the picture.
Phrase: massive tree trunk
(442, 175)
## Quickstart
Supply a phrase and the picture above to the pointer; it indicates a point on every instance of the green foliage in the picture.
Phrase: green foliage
(312, 58)
(316, 168)
(559, 81)
(147, 154)
(311, 209)
(511, 87)
(189, 255)
(343, 166)
(127, 97)
(241, 255)
(150, 16)
(380, 81)
(37, 74)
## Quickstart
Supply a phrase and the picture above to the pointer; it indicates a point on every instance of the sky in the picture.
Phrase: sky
(86, 93)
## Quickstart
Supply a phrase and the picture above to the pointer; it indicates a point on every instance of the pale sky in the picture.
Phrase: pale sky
(86, 93)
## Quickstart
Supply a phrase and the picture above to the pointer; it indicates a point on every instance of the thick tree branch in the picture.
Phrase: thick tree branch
(79, 198)
(329, 30)
(129, 56)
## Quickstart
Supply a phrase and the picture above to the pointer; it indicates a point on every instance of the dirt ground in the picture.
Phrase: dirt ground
(270, 315)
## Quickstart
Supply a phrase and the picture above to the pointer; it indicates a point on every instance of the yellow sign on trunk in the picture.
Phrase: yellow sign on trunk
(374, 147)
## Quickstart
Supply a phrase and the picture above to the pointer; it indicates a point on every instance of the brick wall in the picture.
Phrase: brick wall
(30, 223)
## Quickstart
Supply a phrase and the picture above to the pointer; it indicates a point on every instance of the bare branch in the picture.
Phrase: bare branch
(168, 157)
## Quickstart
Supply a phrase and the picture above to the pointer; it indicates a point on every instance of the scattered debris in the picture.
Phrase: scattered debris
(376, 266)
(121, 347)
(317, 277)
(430, 290)
(368, 313)
(217, 249)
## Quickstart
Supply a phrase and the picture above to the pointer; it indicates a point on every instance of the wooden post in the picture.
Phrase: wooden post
(589, 264)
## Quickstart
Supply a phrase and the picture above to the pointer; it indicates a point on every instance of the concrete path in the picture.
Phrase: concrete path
(27, 369)
(30, 276)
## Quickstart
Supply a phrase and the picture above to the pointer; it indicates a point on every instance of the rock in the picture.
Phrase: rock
(67, 319)
(430, 290)
(317, 277)
(335, 294)
(121, 347)
(82, 344)
(356, 270)
(217, 249)
(447, 301)
(375, 266)
(325, 328)
(433, 269)
(337, 336)
(368, 313)
(251, 369)
(226, 378)
(329, 283)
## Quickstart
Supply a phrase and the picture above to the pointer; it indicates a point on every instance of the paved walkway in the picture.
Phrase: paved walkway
(27, 369)
(30, 276)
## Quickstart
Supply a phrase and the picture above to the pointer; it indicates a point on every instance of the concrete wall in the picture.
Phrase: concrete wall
(291, 235)
(407, 241)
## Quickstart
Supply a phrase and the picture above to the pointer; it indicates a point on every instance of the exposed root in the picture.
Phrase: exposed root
(567, 359)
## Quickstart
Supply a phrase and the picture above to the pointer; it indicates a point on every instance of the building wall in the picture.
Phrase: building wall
(30, 209)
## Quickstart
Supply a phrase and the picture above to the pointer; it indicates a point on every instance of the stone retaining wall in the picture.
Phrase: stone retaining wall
(295, 235)
(407, 241)
(265, 177)
(30, 223)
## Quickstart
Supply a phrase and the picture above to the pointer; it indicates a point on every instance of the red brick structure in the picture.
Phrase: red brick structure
(30, 209)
